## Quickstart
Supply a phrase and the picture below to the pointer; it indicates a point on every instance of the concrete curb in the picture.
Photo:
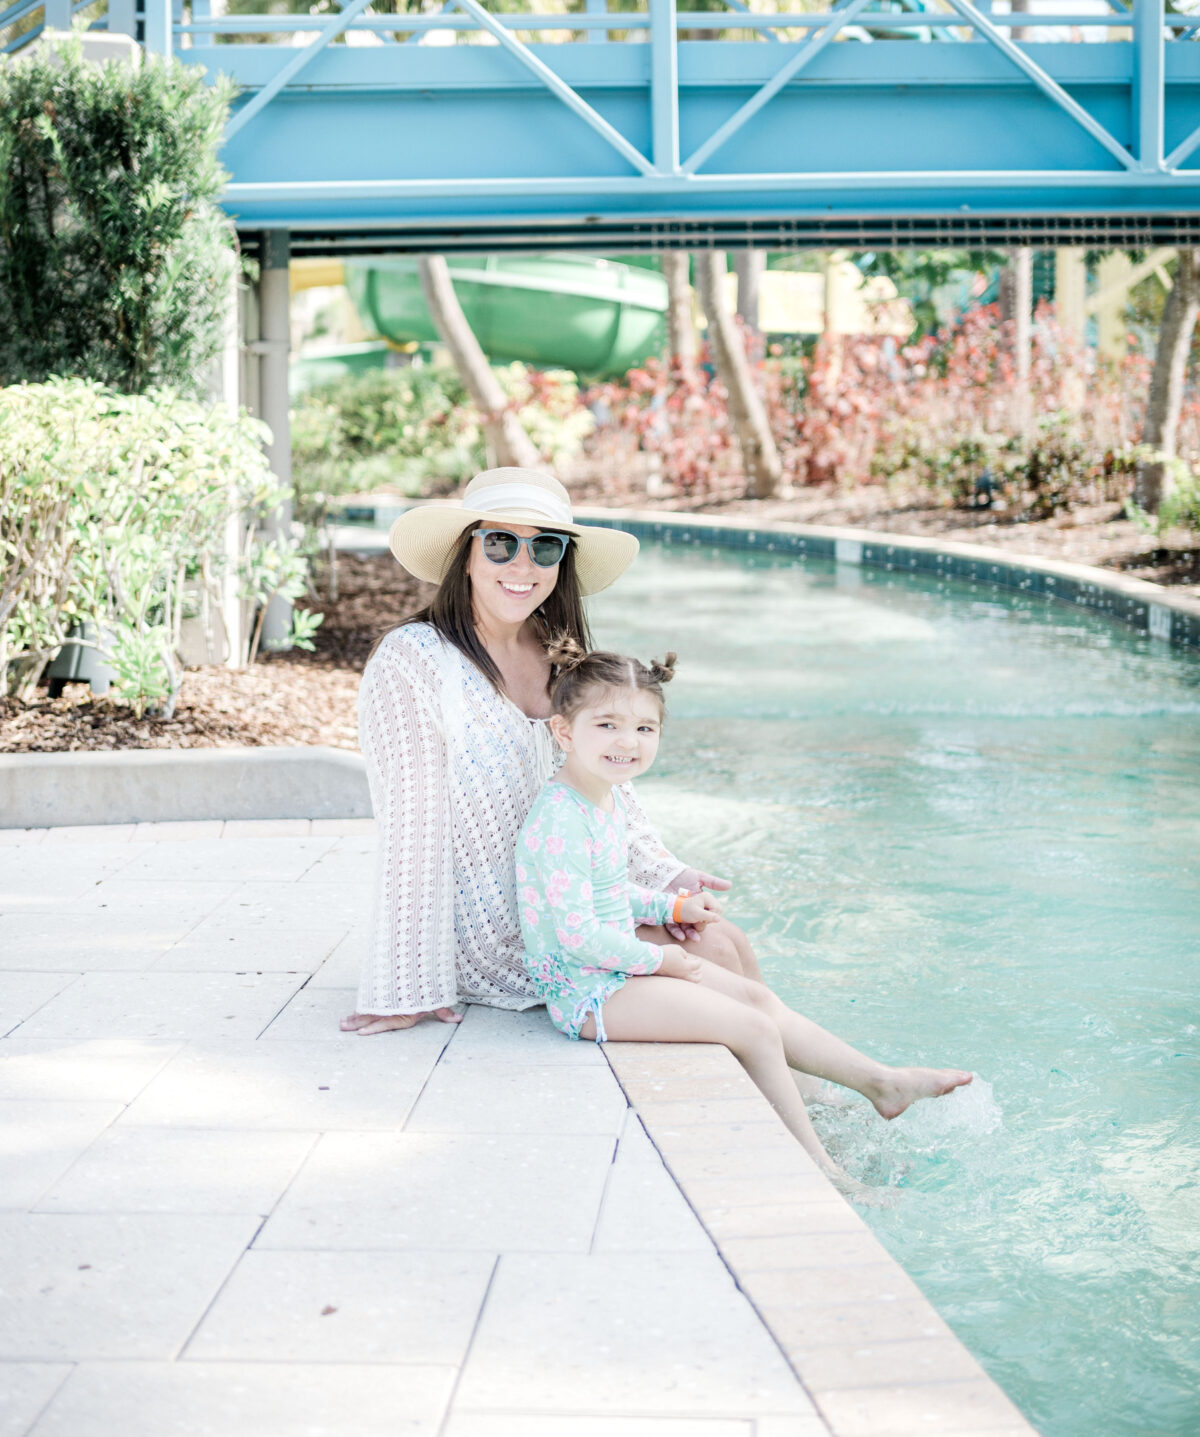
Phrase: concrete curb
(1137, 603)
(41, 790)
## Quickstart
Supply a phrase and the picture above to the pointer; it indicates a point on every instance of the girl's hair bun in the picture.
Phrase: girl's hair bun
(565, 651)
(663, 671)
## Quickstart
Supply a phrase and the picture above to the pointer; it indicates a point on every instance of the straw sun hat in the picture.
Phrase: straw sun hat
(423, 539)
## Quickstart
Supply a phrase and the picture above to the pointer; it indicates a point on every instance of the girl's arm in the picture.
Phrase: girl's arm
(649, 907)
(410, 964)
(560, 869)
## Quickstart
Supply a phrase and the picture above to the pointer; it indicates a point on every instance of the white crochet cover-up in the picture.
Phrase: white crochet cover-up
(454, 768)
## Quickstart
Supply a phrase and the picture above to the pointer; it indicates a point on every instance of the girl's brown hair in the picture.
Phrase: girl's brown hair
(577, 673)
(452, 614)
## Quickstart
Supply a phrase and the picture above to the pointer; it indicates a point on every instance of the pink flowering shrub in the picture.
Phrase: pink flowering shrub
(946, 412)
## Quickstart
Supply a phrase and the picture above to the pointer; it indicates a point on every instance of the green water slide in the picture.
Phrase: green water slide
(598, 317)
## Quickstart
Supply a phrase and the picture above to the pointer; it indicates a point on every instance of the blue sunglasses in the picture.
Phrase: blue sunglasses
(502, 547)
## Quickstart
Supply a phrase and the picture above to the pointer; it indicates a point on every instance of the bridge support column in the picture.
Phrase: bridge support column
(274, 319)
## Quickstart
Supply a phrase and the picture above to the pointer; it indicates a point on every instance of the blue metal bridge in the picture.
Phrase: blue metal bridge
(876, 122)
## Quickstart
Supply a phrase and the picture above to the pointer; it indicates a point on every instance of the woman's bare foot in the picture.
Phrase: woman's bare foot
(901, 1087)
(364, 1024)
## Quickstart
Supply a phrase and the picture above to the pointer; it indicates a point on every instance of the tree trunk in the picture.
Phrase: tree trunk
(749, 265)
(760, 458)
(507, 441)
(681, 330)
(1019, 32)
(1166, 384)
(1016, 307)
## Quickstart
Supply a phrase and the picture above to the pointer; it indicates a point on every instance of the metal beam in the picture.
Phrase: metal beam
(1148, 90)
(866, 182)
(571, 98)
(1048, 86)
(664, 86)
(332, 27)
(808, 52)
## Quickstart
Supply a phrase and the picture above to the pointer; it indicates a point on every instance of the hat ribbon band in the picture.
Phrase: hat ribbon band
(519, 496)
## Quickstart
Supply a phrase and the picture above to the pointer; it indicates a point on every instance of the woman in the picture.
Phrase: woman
(453, 713)
(452, 722)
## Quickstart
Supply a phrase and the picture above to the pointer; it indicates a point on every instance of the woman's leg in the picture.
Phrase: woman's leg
(814, 1050)
(721, 942)
(670, 1010)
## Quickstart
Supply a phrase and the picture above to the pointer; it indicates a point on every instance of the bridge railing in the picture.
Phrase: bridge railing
(635, 26)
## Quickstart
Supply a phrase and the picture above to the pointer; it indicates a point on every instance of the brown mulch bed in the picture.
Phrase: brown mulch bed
(301, 698)
(285, 699)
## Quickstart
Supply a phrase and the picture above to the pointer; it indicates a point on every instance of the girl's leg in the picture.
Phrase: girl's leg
(812, 1049)
(722, 943)
(669, 1010)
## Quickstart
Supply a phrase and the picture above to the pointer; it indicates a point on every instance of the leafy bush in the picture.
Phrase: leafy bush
(113, 255)
(109, 505)
(415, 430)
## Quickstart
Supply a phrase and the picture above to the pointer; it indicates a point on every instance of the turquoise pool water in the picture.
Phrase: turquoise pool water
(963, 828)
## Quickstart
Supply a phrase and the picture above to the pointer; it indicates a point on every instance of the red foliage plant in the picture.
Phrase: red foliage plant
(937, 412)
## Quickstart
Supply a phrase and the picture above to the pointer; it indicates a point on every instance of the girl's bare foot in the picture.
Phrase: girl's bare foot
(901, 1087)
(364, 1024)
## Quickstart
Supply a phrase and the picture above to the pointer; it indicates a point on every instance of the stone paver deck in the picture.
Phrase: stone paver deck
(221, 1217)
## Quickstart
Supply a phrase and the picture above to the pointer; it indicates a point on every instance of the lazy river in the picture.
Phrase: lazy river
(962, 828)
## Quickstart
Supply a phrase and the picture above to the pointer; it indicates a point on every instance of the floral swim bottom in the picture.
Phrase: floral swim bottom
(570, 1005)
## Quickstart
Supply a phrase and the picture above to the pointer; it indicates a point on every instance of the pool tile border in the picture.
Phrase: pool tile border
(1136, 603)
(863, 1340)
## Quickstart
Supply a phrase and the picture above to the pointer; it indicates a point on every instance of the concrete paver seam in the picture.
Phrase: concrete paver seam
(74, 978)
(42, 1410)
(181, 1353)
(608, 1176)
(466, 1357)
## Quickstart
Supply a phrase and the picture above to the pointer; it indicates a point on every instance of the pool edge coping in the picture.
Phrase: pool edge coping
(811, 1230)
(1135, 603)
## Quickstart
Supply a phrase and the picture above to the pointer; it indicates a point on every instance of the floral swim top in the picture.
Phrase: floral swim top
(578, 909)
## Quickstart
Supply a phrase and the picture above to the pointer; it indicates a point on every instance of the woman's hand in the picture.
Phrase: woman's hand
(364, 1024)
(679, 963)
(693, 880)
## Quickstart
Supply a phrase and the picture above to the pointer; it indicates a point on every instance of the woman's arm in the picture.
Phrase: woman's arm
(650, 864)
(410, 966)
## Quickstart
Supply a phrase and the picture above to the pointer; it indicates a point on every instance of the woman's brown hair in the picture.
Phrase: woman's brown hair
(452, 613)
(577, 673)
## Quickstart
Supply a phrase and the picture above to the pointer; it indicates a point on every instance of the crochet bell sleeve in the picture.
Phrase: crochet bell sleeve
(410, 965)
(651, 865)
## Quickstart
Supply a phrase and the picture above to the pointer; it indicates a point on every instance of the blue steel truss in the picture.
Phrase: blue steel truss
(593, 129)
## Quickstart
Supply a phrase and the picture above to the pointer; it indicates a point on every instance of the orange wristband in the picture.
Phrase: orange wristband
(677, 910)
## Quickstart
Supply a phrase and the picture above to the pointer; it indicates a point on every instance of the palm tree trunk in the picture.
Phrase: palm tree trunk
(1166, 384)
(760, 458)
(508, 444)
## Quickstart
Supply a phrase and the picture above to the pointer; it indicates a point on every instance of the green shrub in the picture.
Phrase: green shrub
(109, 505)
(113, 256)
(414, 430)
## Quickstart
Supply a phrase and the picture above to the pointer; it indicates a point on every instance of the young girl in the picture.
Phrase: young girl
(578, 915)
